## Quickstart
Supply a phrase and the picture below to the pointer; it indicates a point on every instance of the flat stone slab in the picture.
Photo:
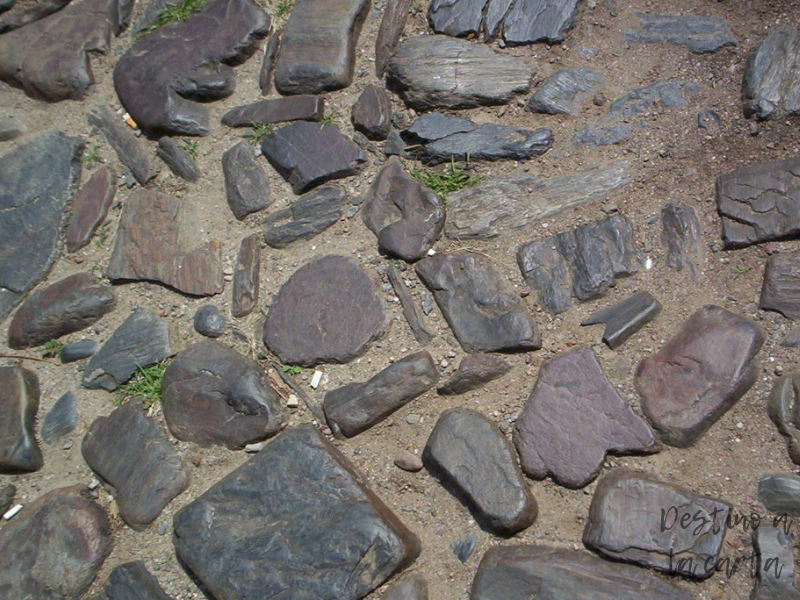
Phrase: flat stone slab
(771, 82)
(90, 208)
(391, 28)
(37, 181)
(53, 549)
(690, 383)
(580, 264)
(318, 45)
(573, 418)
(132, 581)
(309, 154)
(488, 142)
(512, 572)
(308, 216)
(505, 203)
(355, 407)
(297, 520)
(79, 350)
(681, 236)
(435, 126)
(246, 277)
(372, 113)
(177, 159)
(246, 184)
(61, 420)
(759, 203)
(775, 575)
(328, 311)
(784, 410)
(636, 518)
(161, 79)
(565, 92)
(69, 305)
(781, 288)
(701, 35)
(625, 318)
(432, 72)
(157, 241)
(780, 493)
(19, 402)
(276, 110)
(475, 371)
(131, 151)
(483, 311)
(471, 456)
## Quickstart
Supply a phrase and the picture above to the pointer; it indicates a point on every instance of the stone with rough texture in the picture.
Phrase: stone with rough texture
(636, 518)
(355, 407)
(625, 318)
(132, 581)
(391, 28)
(276, 110)
(411, 586)
(246, 184)
(69, 305)
(474, 372)
(484, 313)
(471, 456)
(783, 408)
(318, 46)
(681, 235)
(246, 277)
(513, 572)
(579, 264)
(36, 183)
(142, 340)
(157, 241)
(7, 493)
(434, 72)
(55, 546)
(61, 420)
(308, 154)
(531, 21)
(90, 208)
(410, 310)
(372, 113)
(268, 63)
(16, 15)
(161, 79)
(131, 151)
(131, 455)
(573, 418)
(308, 216)
(435, 126)
(781, 289)
(151, 14)
(459, 18)
(565, 91)
(775, 575)
(209, 322)
(19, 402)
(296, 520)
(780, 493)
(771, 83)
(505, 203)
(214, 395)
(177, 159)
(77, 351)
(699, 374)
(328, 311)
(489, 142)
(700, 34)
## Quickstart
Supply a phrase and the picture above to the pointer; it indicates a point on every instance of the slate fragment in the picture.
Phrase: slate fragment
(246, 184)
(209, 322)
(781, 288)
(488, 142)
(435, 126)
(701, 35)
(784, 410)
(19, 402)
(77, 351)
(771, 82)
(411, 586)
(268, 63)
(372, 113)
(132, 581)
(7, 493)
(680, 235)
(625, 318)
(410, 310)
(474, 371)
(391, 28)
(565, 91)
(61, 420)
(775, 574)
(246, 280)
(531, 21)
(780, 493)
(90, 207)
(177, 159)
(308, 216)
(276, 110)
(130, 150)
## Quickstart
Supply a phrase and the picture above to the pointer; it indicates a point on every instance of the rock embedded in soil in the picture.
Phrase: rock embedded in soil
(264, 513)
(475, 371)
(407, 461)
(132, 581)
(699, 374)
(573, 418)
(483, 311)
(565, 92)
(329, 311)
(372, 113)
(209, 322)
(391, 28)
(11, 128)
(69, 305)
(276, 110)
(8, 491)
(410, 310)
(19, 402)
(61, 420)
(771, 83)
(435, 126)
(781, 288)
(411, 586)
(18, 15)
(625, 318)
(77, 351)
(580, 264)
(681, 236)
(355, 407)
(792, 340)
(636, 518)
(268, 63)
(141, 341)
(783, 408)
(131, 151)
(246, 277)
(512, 572)
(309, 154)
(531, 21)
(90, 208)
(37, 179)
(246, 184)
(775, 564)
(214, 395)
(308, 216)
(470, 455)
(701, 35)
(780, 493)
(177, 159)
(318, 46)
(488, 142)
(162, 78)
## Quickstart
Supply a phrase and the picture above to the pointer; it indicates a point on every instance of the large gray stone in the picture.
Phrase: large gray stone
(775, 575)
(488, 142)
(781, 288)
(19, 402)
(565, 91)
(700, 34)
(771, 83)
(531, 21)
(246, 184)
(308, 216)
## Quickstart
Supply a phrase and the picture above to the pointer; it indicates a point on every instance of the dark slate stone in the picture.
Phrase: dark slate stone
(531, 21)
(61, 420)
(6, 5)
(162, 95)
(780, 493)
(411, 586)
(131, 151)
(276, 110)
(435, 126)
(472, 456)
(11, 128)
(308, 216)
(475, 371)
(625, 523)
(490, 141)
(55, 546)
(433, 72)
(700, 34)
(17, 15)
(7, 493)
(391, 28)
(268, 63)
(464, 547)
(296, 520)
(355, 407)
(209, 322)
(36, 183)
(690, 383)
(177, 159)
(775, 575)
(579, 264)
(505, 203)
(484, 313)
(132, 581)
(565, 91)
(784, 410)
(459, 18)
(64, 307)
(213, 395)
(246, 281)
(131, 455)
(759, 203)
(680, 235)
(781, 289)
(574, 416)
(771, 83)
(328, 311)
(19, 402)
(90, 208)
(246, 185)
(372, 113)
(142, 340)
(157, 241)
(77, 351)
(395, 146)
(406, 216)
(512, 572)
(625, 318)
(410, 311)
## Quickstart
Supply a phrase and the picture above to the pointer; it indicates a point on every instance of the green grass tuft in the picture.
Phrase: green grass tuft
(257, 133)
(176, 13)
(52, 348)
(283, 8)
(452, 179)
(91, 155)
(145, 385)
(292, 370)
(190, 147)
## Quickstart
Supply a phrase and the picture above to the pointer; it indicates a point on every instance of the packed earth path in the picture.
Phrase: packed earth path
(474, 299)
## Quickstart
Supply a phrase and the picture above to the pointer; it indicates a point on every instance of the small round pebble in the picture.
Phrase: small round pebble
(407, 461)
(208, 321)
(77, 351)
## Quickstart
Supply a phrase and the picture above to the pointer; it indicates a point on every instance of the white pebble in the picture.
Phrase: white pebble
(316, 379)
(648, 264)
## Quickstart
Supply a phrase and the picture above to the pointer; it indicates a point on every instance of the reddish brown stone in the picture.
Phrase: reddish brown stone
(89, 208)
(246, 277)
(19, 402)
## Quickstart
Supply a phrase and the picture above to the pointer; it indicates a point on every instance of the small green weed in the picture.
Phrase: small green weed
(454, 178)
(102, 234)
(739, 271)
(52, 348)
(145, 385)
(190, 147)
(292, 370)
(175, 13)
(283, 8)
(257, 133)
(92, 155)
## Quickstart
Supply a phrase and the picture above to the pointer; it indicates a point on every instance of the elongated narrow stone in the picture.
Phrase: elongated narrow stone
(625, 318)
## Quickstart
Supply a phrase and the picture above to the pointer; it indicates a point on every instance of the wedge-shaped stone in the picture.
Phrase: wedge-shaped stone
(276, 110)
(246, 184)
(131, 151)
(308, 216)
(784, 410)
(246, 277)
(700, 34)
(565, 92)
(781, 288)
(61, 420)
(132, 581)
(681, 236)
(625, 318)
(372, 113)
(391, 28)
(771, 83)
(475, 371)
(775, 575)
(90, 207)
(19, 403)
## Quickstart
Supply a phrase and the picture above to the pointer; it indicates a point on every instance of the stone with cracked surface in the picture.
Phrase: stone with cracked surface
(781, 288)
(487, 142)
(308, 216)
(771, 82)
(625, 318)
(246, 184)
(434, 126)
(775, 574)
(565, 91)
(475, 371)
(681, 236)
(701, 35)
